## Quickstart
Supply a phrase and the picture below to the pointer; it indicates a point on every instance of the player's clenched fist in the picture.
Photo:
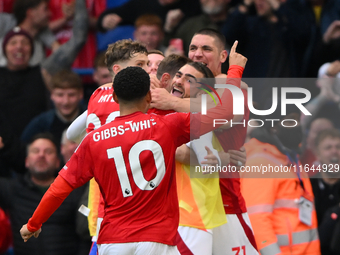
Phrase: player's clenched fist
(26, 234)
(236, 58)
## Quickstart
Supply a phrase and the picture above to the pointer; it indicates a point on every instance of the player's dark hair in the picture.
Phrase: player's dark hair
(131, 84)
(171, 64)
(202, 69)
(218, 36)
(20, 8)
(208, 76)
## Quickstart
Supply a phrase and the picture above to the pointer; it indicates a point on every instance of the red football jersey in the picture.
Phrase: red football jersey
(101, 108)
(233, 139)
(132, 160)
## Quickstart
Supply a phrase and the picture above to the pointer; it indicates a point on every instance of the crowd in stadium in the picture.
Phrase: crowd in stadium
(100, 105)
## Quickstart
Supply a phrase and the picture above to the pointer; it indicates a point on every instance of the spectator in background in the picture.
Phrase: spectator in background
(325, 104)
(271, 195)
(61, 22)
(31, 16)
(23, 93)
(101, 75)
(149, 31)
(272, 38)
(322, 18)
(214, 14)
(326, 189)
(23, 193)
(309, 153)
(155, 58)
(67, 147)
(6, 6)
(171, 12)
(66, 95)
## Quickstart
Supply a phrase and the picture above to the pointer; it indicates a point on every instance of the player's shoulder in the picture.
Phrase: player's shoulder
(173, 118)
(103, 93)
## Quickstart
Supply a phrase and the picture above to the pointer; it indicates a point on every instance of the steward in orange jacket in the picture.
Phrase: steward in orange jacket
(280, 203)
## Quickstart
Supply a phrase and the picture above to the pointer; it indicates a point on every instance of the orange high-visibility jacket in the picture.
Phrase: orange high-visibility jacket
(272, 201)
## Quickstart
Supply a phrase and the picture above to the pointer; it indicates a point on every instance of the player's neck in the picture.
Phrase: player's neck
(126, 109)
(217, 72)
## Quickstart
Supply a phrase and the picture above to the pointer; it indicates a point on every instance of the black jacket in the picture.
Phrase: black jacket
(20, 196)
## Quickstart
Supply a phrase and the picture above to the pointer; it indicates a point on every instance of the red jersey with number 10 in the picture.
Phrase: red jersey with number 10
(132, 160)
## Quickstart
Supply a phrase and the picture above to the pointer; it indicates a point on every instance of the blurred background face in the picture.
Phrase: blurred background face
(67, 149)
(166, 2)
(151, 36)
(18, 52)
(212, 7)
(42, 159)
(263, 8)
(154, 61)
(41, 15)
(315, 128)
(66, 101)
(328, 152)
(102, 76)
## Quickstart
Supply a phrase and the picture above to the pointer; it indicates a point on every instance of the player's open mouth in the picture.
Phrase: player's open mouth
(177, 93)
(203, 63)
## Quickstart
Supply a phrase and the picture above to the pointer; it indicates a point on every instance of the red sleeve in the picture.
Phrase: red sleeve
(50, 202)
(234, 75)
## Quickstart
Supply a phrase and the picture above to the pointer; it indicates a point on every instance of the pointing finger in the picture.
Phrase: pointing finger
(233, 49)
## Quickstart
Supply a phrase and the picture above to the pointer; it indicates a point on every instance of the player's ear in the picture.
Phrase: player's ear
(148, 97)
(223, 56)
(116, 68)
(165, 79)
(115, 97)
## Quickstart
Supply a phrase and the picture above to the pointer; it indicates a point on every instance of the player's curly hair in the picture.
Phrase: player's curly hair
(131, 84)
(121, 51)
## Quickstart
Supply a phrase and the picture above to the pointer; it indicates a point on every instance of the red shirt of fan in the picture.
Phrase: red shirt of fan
(133, 162)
